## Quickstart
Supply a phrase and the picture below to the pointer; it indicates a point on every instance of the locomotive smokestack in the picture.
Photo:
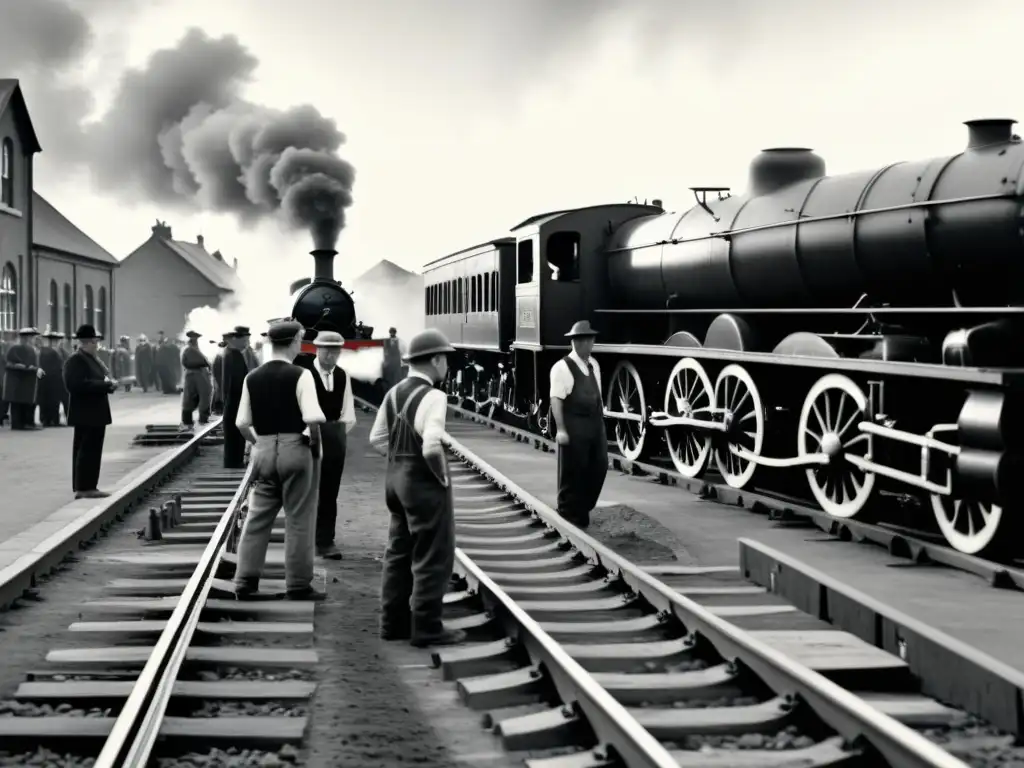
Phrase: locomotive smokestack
(323, 263)
(781, 166)
(983, 133)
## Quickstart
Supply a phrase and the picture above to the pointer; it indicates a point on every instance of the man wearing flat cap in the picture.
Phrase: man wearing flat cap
(280, 415)
(233, 372)
(89, 385)
(578, 411)
(335, 397)
(196, 390)
(410, 428)
(21, 380)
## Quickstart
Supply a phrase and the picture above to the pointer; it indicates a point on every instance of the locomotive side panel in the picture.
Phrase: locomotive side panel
(527, 292)
(506, 293)
(634, 262)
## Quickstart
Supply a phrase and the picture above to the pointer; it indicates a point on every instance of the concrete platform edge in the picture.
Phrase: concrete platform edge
(948, 669)
(49, 548)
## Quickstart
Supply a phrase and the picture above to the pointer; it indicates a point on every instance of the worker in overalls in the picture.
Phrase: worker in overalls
(578, 410)
(409, 428)
(197, 390)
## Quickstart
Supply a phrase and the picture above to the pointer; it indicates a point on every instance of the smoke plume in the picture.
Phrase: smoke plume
(178, 132)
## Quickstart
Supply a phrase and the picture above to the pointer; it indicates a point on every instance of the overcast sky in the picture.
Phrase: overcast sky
(463, 117)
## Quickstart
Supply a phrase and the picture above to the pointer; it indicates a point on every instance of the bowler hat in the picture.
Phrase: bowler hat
(87, 333)
(193, 334)
(329, 339)
(241, 330)
(582, 328)
(284, 331)
(427, 344)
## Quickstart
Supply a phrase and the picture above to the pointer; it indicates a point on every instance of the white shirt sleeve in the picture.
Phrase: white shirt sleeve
(379, 430)
(433, 411)
(561, 380)
(309, 403)
(597, 375)
(244, 417)
(348, 407)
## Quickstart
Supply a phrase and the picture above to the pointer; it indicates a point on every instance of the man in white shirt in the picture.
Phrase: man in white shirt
(335, 395)
(578, 411)
(418, 563)
(280, 415)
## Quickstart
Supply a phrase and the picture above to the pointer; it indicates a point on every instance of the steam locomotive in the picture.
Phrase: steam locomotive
(853, 340)
(321, 304)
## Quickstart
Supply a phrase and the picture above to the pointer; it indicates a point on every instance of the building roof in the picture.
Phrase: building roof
(387, 271)
(220, 275)
(52, 230)
(10, 93)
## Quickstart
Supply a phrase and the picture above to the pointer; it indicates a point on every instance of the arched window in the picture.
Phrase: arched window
(8, 298)
(69, 309)
(7, 174)
(101, 312)
(88, 316)
(54, 306)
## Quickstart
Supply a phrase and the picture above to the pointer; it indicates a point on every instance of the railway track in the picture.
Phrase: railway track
(167, 663)
(600, 662)
(914, 545)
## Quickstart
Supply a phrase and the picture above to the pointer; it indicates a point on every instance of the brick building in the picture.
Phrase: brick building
(51, 273)
(164, 279)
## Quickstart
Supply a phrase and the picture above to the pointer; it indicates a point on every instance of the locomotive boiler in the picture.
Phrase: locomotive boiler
(855, 340)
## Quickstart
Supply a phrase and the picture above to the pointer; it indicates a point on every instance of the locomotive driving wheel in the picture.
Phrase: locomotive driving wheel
(626, 396)
(969, 526)
(739, 402)
(688, 393)
(833, 408)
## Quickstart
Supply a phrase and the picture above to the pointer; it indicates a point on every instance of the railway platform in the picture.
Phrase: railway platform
(961, 605)
(35, 469)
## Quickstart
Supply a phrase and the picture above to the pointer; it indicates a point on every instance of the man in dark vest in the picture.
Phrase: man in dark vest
(409, 429)
(579, 419)
(21, 380)
(335, 396)
(196, 391)
(52, 393)
(280, 415)
(233, 373)
(89, 384)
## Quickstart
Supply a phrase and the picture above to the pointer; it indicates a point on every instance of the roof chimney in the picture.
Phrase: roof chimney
(984, 133)
(199, 241)
(161, 230)
(216, 254)
(234, 263)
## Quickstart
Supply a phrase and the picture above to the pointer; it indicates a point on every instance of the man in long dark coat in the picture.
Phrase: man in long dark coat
(4, 407)
(233, 375)
(21, 380)
(145, 374)
(121, 363)
(89, 382)
(217, 405)
(168, 365)
(252, 360)
(52, 392)
(196, 390)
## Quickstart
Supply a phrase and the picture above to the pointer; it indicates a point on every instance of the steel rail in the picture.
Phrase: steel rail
(843, 711)
(136, 729)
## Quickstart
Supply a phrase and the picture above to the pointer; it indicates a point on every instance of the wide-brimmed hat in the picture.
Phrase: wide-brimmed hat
(87, 333)
(28, 332)
(193, 334)
(582, 328)
(329, 339)
(53, 335)
(241, 330)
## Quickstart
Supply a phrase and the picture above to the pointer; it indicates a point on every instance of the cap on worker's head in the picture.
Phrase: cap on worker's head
(28, 332)
(193, 334)
(392, 330)
(241, 330)
(582, 328)
(284, 331)
(329, 339)
(427, 344)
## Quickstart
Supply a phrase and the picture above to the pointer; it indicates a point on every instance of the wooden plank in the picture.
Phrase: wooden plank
(236, 731)
(222, 628)
(289, 611)
(829, 650)
(913, 709)
(107, 690)
(138, 655)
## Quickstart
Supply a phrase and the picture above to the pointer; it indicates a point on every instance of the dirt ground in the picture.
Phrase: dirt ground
(635, 536)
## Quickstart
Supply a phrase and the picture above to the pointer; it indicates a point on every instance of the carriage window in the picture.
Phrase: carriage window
(564, 256)
(525, 262)
(484, 279)
(472, 295)
(494, 291)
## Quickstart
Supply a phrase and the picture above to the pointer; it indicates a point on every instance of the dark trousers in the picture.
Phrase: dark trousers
(582, 468)
(4, 406)
(332, 465)
(86, 455)
(23, 416)
(234, 443)
(421, 550)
